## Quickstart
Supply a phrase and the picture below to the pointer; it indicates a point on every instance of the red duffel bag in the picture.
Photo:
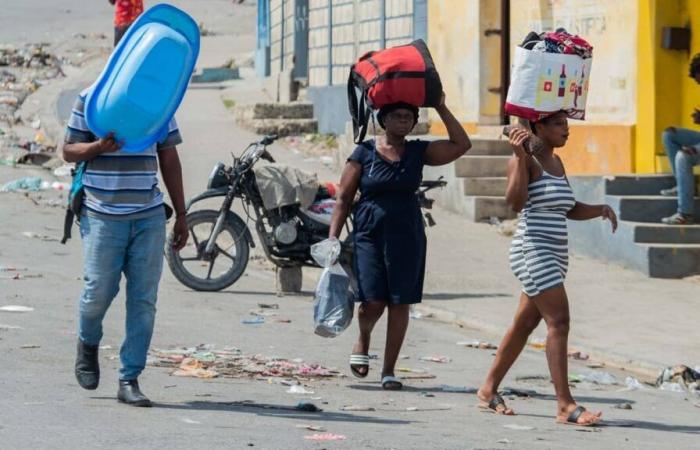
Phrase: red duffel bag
(399, 74)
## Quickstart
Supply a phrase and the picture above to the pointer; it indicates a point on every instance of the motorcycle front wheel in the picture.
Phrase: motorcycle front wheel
(224, 266)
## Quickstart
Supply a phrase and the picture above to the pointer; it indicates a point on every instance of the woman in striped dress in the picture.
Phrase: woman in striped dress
(538, 187)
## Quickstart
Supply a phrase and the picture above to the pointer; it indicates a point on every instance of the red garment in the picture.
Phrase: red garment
(126, 11)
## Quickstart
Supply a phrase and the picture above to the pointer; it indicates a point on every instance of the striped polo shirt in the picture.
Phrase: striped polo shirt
(120, 184)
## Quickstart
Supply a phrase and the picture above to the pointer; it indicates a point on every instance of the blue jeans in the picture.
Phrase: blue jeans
(682, 164)
(110, 247)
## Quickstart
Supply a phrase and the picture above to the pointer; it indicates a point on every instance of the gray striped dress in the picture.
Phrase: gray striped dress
(539, 253)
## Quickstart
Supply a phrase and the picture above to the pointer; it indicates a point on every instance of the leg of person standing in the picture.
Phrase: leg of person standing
(104, 253)
(144, 266)
(685, 161)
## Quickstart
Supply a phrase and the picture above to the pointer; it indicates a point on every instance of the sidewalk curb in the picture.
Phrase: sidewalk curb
(643, 370)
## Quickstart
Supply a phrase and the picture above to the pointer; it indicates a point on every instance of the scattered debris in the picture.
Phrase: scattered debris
(459, 389)
(325, 437)
(232, 363)
(601, 378)
(671, 387)
(203, 31)
(255, 320)
(679, 377)
(427, 394)
(436, 359)
(579, 356)
(268, 306)
(16, 308)
(190, 421)
(539, 344)
(506, 227)
(63, 171)
(311, 427)
(595, 365)
(13, 269)
(426, 376)
(623, 406)
(513, 426)
(28, 346)
(532, 378)
(43, 237)
(298, 389)
(409, 370)
(357, 408)
(4, 327)
(191, 367)
(419, 315)
(23, 184)
(483, 345)
(307, 407)
(633, 384)
(525, 393)
(504, 441)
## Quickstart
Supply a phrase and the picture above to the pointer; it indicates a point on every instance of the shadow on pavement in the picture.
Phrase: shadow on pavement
(640, 424)
(283, 411)
(376, 386)
(463, 296)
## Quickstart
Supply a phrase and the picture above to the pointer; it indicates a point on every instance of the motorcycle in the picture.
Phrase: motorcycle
(285, 233)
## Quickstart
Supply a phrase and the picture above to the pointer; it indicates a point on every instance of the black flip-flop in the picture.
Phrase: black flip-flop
(574, 416)
(493, 405)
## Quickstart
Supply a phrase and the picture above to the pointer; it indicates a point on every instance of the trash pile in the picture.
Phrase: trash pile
(679, 379)
(23, 70)
(205, 361)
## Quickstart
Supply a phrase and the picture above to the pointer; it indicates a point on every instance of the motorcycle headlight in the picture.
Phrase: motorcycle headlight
(218, 177)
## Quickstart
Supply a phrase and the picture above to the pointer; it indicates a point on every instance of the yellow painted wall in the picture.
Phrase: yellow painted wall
(604, 142)
(666, 96)
(453, 39)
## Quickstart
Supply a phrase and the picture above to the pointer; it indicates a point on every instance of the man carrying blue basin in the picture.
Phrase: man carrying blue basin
(121, 131)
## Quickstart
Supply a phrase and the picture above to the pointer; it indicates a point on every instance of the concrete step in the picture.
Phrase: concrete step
(481, 166)
(293, 110)
(646, 233)
(645, 208)
(482, 208)
(281, 127)
(487, 186)
(673, 260)
(638, 184)
(489, 147)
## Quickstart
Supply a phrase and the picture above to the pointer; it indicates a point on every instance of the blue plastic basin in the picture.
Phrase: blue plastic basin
(145, 79)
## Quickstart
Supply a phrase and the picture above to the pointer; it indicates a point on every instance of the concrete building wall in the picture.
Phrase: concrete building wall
(453, 39)
(340, 31)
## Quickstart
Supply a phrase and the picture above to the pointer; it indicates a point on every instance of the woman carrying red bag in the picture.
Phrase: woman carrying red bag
(389, 236)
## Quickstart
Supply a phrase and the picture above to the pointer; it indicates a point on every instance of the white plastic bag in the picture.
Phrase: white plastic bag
(543, 83)
(333, 302)
(326, 252)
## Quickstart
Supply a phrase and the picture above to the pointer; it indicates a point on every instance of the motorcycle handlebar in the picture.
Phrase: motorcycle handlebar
(269, 139)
